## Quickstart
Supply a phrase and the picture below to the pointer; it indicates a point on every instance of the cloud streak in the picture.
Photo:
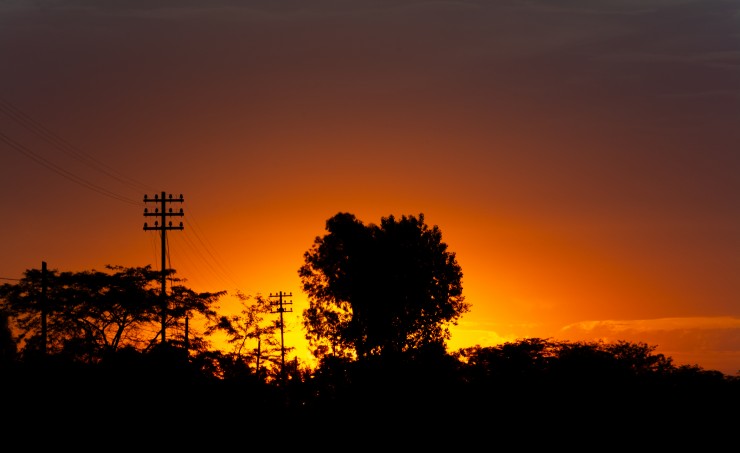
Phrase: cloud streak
(652, 325)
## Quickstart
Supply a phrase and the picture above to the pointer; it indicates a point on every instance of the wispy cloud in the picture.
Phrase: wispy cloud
(653, 325)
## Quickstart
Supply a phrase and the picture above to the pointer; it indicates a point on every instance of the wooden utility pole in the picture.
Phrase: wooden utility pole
(163, 214)
(281, 309)
(44, 307)
(187, 341)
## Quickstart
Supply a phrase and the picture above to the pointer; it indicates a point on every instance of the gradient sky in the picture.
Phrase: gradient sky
(581, 157)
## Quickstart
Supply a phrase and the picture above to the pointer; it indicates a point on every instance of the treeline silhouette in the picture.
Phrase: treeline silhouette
(83, 355)
(543, 384)
(78, 384)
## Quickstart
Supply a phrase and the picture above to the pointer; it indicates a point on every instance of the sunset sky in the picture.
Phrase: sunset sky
(581, 157)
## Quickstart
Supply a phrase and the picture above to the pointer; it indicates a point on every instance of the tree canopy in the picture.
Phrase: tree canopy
(252, 337)
(89, 314)
(380, 289)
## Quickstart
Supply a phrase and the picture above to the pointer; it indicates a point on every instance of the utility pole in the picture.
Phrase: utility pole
(187, 341)
(44, 308)
(163, 213)
(281, 309)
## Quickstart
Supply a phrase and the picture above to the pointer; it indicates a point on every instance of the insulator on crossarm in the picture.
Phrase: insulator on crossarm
(145, 210)
(180, 210)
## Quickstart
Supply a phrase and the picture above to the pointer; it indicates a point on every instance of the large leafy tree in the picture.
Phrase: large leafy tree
(380, 289)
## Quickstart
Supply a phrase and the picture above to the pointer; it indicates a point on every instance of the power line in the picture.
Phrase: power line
(208, 247)
(198, 260)
(69, 149)
(69, 175)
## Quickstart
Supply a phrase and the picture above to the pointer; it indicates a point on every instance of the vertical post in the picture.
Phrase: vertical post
(281, 309)
(259, 356)
(162, 213)
(163, 293)
(187, 341)
(44, 307)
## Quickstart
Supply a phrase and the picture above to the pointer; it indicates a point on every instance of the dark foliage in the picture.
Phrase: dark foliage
(422, 397)
(89, 315)
(380, 289)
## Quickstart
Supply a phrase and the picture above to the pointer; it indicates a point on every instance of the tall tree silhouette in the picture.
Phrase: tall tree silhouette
(380, 289)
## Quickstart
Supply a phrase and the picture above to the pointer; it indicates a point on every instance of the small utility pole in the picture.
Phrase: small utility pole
(187, 341)
(44, 307)
(281, 309)
(163, 213)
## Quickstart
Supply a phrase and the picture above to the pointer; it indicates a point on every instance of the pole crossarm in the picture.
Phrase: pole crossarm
(281, 302)
(163, 213)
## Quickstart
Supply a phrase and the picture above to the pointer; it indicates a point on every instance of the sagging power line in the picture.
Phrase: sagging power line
(63, 145)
